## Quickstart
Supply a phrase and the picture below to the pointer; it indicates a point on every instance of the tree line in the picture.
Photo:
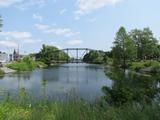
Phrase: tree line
(51, 54)
(135, 45)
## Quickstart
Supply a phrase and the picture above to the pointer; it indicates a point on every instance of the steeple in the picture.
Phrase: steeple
(14, 52)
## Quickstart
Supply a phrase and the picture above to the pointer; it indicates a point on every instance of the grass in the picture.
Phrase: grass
(77, 110)
(154, 65)
(1, 72)
(26, 64)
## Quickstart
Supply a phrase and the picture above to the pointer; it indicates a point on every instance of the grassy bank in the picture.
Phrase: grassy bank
(1, 73)
(79, 110)
(26, 64)
(146, 66)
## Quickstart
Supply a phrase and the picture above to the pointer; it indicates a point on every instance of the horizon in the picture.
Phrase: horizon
(72, 24)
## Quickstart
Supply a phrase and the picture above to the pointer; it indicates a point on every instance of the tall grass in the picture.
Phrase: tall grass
(76, 110)
(154, 65)
(1, 72)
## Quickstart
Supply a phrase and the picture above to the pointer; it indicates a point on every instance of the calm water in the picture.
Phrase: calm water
(67, 80)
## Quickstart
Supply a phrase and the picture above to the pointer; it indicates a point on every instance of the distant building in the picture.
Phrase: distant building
(15, 55)
(10, 57)
(3, 57)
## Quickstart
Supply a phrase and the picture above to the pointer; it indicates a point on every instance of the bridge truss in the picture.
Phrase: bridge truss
(76, 54)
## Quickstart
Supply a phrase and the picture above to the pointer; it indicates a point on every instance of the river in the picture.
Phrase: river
(63, 82)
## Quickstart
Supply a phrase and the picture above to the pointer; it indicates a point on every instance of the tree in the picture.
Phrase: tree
(146, 44)
(51, 54)
(94, 57)
(124, 49)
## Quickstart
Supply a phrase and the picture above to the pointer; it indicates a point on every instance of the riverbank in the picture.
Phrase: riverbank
(77, 110)
(27, 64)
(26, 108)
(143, 67)
(1, 72)
(147, 66)
(7, 70)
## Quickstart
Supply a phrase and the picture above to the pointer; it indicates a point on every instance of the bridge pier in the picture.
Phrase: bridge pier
(68, 55)
(77, 55)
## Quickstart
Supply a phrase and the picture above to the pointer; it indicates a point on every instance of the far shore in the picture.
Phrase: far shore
(7, 70)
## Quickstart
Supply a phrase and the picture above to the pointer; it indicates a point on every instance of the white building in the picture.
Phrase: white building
(3, 57)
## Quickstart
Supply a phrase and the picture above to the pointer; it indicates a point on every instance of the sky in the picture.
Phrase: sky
(72, 23)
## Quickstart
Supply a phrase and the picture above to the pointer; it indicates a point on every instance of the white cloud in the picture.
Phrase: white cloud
(74, 42)
(38, 17)
(57, 31)
(6, 3)
(16, 37)
(87, 6)
(7, 43)
(29, 3)
(23, 4)
(63, 11)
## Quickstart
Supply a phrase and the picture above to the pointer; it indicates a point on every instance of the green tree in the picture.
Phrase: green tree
(146, 44)
(48, 54)
(130, 88)
(124, 48)
(51, 54)
(94, 57)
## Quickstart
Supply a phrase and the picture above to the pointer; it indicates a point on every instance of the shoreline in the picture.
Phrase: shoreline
(7, 70)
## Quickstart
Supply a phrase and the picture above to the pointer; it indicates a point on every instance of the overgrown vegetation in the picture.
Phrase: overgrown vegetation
(131, 88)
(131, 97)
(137, 45)
(95, 57)
(51, 55)
(147, 65)
(1, 72)
(26, 64)
(132, 49)
(77, 110)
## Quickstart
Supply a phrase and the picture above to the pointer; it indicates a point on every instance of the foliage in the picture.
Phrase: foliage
(153, 65)
(118, 95)
(77, 110)
(109, 61)
(1, 72)
(96, 57)
(51, 54)
(146, 44)
(124, 49)
(137, 66)
(136, 45)
(25, 64)
(129, 88)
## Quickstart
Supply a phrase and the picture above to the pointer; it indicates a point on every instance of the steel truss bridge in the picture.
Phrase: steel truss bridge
(76, 54)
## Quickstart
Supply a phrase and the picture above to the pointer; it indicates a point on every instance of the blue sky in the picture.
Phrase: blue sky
(72, 23)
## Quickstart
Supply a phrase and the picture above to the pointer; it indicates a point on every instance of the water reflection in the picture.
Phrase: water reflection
(143, 87)
(83, 80)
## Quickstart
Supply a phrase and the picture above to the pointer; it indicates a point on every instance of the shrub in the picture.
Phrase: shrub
(78, 110)
(1, 72)
(137, 66)
(25, 65)
(154, 65)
